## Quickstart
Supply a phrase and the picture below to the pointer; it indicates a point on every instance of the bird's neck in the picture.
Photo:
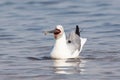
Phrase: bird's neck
(61, 42)
(60, 49)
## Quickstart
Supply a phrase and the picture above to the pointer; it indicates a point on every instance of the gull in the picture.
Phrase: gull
(66, 47)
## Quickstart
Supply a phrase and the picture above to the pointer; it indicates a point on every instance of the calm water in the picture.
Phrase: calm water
(24, 49)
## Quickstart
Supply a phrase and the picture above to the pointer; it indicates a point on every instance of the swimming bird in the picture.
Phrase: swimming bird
(66, 47)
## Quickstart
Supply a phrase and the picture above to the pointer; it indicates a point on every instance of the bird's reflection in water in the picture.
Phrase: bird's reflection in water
(68, 66)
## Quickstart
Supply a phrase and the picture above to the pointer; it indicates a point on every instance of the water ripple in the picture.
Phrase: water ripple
(25, 51)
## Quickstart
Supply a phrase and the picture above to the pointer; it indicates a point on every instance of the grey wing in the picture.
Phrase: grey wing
(73, 41)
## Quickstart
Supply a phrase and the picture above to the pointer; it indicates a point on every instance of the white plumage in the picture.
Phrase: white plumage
(66, 47)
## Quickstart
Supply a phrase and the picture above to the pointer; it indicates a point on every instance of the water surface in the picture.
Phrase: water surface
(24, 49)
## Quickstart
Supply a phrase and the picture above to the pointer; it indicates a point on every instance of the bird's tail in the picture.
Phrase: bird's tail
(77, 31)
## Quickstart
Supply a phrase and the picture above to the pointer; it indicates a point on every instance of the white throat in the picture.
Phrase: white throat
(60, 49)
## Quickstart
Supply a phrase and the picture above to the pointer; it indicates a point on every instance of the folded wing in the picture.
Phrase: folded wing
(74, 41)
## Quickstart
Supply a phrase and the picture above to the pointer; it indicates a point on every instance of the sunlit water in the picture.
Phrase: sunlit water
(24, 49)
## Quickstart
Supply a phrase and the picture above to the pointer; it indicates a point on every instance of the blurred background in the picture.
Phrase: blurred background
(23, 21)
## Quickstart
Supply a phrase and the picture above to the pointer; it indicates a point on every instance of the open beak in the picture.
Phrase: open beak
(51, 31)
(47, 32)
(55, 31)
